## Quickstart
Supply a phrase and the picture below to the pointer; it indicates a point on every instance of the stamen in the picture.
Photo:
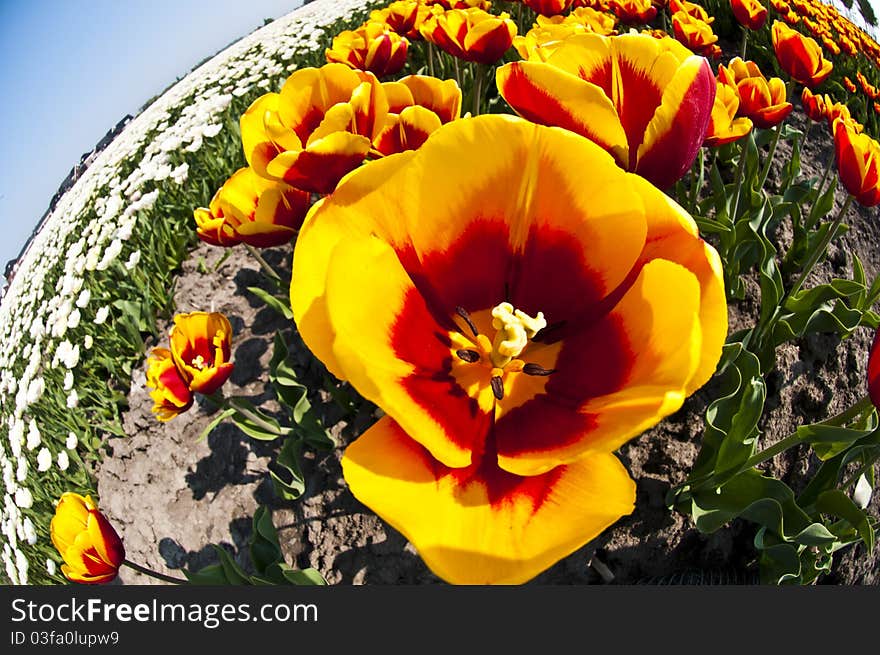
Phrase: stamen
(497, 387)
(198, 362)
(461, 311)
(469, 356)
(535, 369)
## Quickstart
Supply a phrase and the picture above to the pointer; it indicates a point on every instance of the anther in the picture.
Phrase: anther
(461, 311)
(497, 387)
(469, 356)
(535, 369)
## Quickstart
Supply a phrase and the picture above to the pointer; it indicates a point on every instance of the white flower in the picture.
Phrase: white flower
(101, 315)
(51, 568)
(22, 471)
(196, 144)
(35, 390)
(71, 442)
(133, 260)
(68, 381)
(33, 436)
(30, 534)
(110, 255)
(862, 492)
(83, 298)
(180, 173)
(44, 459)
(73, 319)
(16, 437)
(72, 399)
(63, 460)
(88, 342)
(23, 498)
(21, 564)
(212, 130)
(67, 354)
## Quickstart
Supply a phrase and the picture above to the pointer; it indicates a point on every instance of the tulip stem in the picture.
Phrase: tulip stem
(847, 415)
(154, 574)
(819, 250)
(770, 155)
(431, 59)
(811, 217)
(268, 270)
(745, 42)
(740, 170)
(697, 182)
(477, 88)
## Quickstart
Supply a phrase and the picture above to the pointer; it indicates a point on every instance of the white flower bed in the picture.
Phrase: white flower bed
(56, 313)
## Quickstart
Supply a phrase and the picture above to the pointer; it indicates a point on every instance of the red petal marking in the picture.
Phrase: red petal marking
(635, 96)
(874, 371)
(674, 152)
(471, 273)
(551, 276)
(539, 105)
(318, 173)
(172, 381)
(417, 338)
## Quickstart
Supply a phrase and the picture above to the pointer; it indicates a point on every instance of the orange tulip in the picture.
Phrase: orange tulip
(372, 47)
(88, 544)
(837, 110)
(780, 6)
(724, 126)
(814, 105)
(858, 163)
(201, 350)
(517, 320)
(250, 209)
(762, 100)
(417, 106)
(633, 12)
(170, 393)
(695, 34)
(646, 101)
(317, 129)
(470, 34)
(751, 14)
(849, 85)
(799, 56)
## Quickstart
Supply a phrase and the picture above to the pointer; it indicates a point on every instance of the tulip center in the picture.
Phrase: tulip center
(199, 362)
(513, 331)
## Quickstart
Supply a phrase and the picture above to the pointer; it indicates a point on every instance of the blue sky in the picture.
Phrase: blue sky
(71, 69)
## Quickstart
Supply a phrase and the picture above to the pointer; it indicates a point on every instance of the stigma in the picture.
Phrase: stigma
(514, 329)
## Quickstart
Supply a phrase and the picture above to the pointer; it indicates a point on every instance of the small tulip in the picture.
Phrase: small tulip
(200, 346)
(800, 56)
(858, 163)
(88, 544)
(170, 393)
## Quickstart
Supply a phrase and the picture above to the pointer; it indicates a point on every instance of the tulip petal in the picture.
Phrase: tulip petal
(650, 340)
(71, 517)
(483, 525)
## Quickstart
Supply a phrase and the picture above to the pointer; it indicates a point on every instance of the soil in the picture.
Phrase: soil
(171, 496)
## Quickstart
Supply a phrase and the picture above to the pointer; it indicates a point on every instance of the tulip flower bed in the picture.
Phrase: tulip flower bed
(487, 292)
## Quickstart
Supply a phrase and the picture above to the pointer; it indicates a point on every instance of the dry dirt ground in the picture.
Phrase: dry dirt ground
(171, 496)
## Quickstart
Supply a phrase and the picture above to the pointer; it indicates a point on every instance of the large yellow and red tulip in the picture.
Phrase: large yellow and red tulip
(799, 56)
(253, 210)
(691, 9)
(696, 34)
(470, 34)
(201, 344)
(372, 47)
(402, 16)
(761, 100)
(725, 126)
(751, 14)
(317, 129)
(646, 101)
(517, 321)
(548, 7)
(88, 544)
(858, 163)
(170, 393)
(417, 106)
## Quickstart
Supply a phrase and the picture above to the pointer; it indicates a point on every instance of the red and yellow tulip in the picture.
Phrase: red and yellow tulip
(372, 47)
(724, 126)
(201, 350)
(253, 210)
(548, 7)
(88, 544)
(470, 34)
(417, 106)
(170, 392)
(858, 163)
(633, 12)
(646, 101)
(517, 321)
(799, 56)
(317, 129)
(691, 9)
(814, 106)
(761, 100)
(402, 16)
(751, 14)
(696, 34)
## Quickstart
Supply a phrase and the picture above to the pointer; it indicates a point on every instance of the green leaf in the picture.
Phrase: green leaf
(309, 577)
(212, 574)
(286, 472)
(226, 413)
(265, 549)
(838, 504)
(253, 422)
(278, 304)
(829, 440)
